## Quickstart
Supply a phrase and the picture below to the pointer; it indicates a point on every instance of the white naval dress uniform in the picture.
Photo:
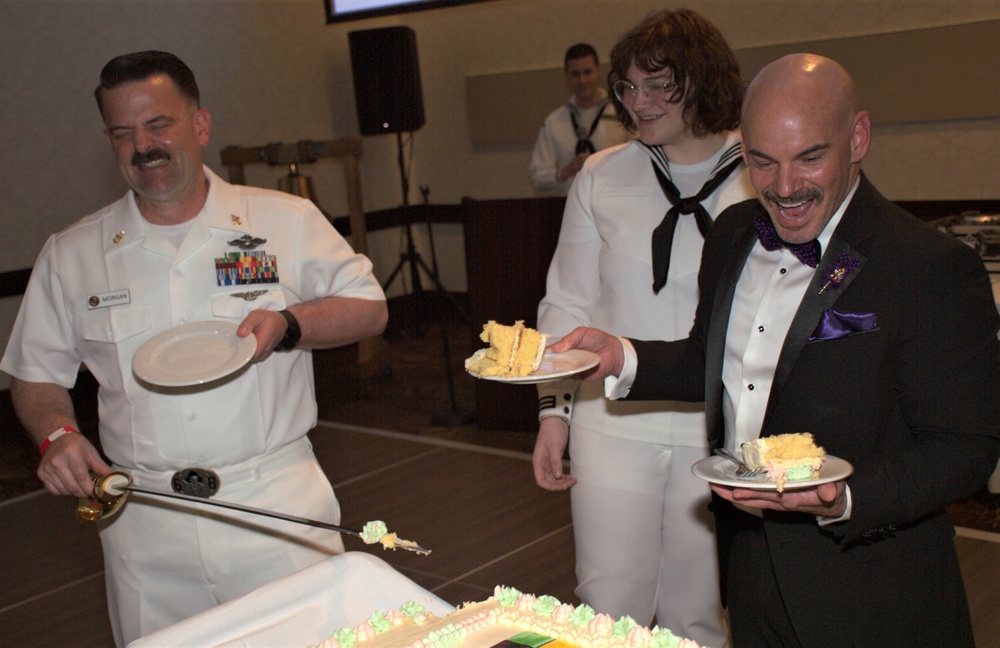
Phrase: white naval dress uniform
(645, 544)
(555, 145)
(103, 287)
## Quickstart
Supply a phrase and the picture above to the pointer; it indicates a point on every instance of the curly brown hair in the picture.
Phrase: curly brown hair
(704, 69)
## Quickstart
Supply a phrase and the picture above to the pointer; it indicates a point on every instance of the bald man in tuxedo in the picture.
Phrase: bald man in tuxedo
(886, 351)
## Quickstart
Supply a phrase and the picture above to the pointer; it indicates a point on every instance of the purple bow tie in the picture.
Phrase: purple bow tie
(808, 253)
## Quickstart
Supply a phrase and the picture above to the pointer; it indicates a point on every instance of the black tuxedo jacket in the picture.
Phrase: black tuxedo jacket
(911, 403)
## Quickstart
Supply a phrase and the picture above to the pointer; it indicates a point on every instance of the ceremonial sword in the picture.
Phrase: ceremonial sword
(111, 490)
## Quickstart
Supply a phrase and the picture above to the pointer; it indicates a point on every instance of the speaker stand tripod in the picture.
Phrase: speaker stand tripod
(453, 416)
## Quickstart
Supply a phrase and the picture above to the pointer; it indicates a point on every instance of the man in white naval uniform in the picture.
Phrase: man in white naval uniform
(583, 125)
(184, 246)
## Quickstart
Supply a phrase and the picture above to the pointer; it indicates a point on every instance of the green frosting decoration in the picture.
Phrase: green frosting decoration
(508, 596)
(448, 636)
(373, 531)
(622, 626)
(544, 605)
(411, 609)
(379, 622)
(664, 638)
(582, 615)
(798, 473)
(346, 637)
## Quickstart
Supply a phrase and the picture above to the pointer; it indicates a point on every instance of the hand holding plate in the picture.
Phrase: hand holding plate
(607, 347)
(826, 500)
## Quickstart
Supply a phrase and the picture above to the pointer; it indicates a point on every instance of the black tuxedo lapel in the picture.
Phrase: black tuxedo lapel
(744, 239)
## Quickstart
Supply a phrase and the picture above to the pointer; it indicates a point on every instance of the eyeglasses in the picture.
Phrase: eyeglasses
(651, 89)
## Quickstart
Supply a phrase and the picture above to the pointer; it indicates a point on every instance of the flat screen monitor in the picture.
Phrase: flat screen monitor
(344, 10)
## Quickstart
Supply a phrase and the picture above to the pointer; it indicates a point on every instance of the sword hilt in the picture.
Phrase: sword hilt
(110, 492)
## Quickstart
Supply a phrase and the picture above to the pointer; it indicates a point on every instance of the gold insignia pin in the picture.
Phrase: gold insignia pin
(118, 237)
(236, 220)
(249, 295)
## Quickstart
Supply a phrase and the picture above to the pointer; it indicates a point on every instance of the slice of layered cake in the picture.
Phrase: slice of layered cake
(786, 457)
(513, 351)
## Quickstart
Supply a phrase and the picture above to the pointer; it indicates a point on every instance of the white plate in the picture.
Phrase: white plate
(722, 471)
(193, 354)
(553, 367)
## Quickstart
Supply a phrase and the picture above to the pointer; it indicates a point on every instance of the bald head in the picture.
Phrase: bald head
(803, 139)
(802, 79)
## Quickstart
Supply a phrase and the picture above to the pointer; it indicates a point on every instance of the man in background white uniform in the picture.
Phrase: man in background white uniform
(184, 246)
(584, 124)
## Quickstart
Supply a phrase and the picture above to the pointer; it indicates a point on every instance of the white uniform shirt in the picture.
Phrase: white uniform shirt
(555, 146)
(104, 286)
(601, 275)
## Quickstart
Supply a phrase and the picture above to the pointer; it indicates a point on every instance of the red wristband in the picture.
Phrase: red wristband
(55, 435)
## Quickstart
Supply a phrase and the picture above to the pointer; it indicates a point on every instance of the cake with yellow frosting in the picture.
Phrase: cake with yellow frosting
(508, 619)
(786, 457)
(513, 351)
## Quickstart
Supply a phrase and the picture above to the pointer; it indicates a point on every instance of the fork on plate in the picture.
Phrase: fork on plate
(743, 471)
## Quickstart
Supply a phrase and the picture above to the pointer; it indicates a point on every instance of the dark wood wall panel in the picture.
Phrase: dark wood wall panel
(508, 247)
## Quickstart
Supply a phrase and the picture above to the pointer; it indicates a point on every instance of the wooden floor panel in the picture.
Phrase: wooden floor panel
(74, 615)
(44, 547)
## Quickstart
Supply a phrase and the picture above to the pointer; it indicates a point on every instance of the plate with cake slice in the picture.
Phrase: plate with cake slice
(517, 354)
(722, 471)
(788, 461)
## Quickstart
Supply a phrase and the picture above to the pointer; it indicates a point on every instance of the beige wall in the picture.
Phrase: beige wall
(272, 70)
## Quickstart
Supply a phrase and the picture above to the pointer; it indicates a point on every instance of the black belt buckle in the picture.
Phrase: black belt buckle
(195, 482)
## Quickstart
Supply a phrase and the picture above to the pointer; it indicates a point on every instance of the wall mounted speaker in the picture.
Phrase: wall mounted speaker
(387, 90)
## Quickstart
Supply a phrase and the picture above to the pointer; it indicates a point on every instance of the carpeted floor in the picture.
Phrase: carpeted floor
(405, 389)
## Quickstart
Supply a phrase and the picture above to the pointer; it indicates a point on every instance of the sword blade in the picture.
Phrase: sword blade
(256, 511)
(243, 508)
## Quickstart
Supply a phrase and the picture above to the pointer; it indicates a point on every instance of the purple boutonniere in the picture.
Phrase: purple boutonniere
(844, 266)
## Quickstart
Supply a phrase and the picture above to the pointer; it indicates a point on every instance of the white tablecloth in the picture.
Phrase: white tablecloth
(301, 609)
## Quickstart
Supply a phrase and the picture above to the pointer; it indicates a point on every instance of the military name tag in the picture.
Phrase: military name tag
(113, 298)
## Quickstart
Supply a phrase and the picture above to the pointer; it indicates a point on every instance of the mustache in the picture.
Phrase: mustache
(152, 155)
(797, 197)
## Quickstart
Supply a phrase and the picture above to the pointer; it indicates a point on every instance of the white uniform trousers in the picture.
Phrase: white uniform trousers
(167, 560)
(645, 540)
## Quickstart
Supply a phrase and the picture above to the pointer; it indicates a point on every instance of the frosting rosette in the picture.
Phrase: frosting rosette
(345, 637)
(373, 531)
(664, 638)
(638, 637)
(364, 632)
(601, 625)
(562, 613)
(545, 605)
(622, 626)
(506, 595)
(582, 616)
(526, 603)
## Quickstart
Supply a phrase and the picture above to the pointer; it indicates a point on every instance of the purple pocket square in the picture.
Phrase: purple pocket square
(835, 325)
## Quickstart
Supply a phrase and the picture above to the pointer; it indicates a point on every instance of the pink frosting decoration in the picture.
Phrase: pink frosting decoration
(395, 617)
(688, 643)
(365, 631)
(601, 624)
(329, 643)
(638, 637)
(526, 603)
(561, 613)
